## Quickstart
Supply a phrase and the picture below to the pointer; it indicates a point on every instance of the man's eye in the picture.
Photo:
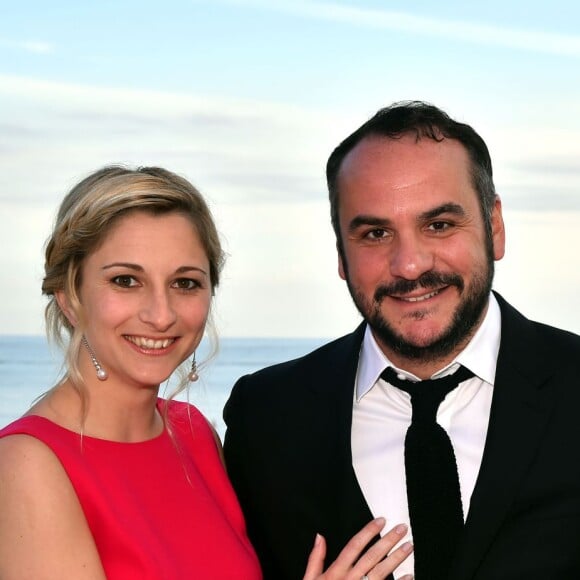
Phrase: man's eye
(439, 226)
(376, 234)
(124, 281)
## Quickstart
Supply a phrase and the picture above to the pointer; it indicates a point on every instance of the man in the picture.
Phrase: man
(319, 444)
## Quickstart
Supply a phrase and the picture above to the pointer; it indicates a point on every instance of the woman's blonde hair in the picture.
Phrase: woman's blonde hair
(84, 219)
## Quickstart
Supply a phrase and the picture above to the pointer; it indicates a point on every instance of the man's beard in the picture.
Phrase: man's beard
(462, 326)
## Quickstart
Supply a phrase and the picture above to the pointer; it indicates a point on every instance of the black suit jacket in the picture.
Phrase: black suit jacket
(288, 454)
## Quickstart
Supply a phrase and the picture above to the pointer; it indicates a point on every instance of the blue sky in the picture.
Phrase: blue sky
(247, 99)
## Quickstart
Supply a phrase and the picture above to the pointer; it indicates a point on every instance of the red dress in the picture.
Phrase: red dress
(161, 509)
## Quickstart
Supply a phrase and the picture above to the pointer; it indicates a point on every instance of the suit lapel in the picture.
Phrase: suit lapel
(336, 391)
(519, 413)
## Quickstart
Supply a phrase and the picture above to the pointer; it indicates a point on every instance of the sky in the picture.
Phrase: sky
(247, 99)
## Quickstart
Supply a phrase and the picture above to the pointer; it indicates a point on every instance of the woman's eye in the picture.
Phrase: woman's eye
(124, 281)
(186, 284)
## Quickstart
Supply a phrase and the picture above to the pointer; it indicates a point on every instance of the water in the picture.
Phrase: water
(28, 367)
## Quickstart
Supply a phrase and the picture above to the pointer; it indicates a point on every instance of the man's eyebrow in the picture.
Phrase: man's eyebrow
(367, 220)
(451, 208)
(380, 222)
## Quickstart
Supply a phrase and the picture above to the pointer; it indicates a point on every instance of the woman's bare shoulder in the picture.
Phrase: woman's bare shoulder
(43, 530)
(22, 458)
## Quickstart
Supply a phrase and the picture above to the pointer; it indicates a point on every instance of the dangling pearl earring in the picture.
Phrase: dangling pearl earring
(102, 374)
(193, 376)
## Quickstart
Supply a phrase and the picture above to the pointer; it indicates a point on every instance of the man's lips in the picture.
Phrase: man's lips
(427, 286)
(418, 298)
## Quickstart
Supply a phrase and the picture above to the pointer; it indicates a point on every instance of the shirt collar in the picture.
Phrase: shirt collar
(479, 356)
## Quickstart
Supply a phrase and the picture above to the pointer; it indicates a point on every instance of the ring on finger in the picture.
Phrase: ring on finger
(365, 577)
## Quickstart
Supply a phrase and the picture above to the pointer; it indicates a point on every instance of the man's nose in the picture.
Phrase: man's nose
(410, 257)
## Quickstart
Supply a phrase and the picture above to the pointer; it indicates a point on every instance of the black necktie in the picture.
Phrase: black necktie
(433, 491)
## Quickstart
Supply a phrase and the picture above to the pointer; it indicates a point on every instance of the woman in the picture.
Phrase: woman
(101, 478)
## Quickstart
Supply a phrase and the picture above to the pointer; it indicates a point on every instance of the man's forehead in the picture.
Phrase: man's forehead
(391, 153)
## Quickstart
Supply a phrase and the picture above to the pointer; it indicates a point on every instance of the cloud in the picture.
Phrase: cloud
(527, 40)
(275, 186)
(541, 198)
(33, 46)
(37, 47)
(541, 184)
(115, 101)
(234, 149)
(564, 166)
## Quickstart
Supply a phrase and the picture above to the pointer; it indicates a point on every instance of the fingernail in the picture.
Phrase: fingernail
(407, 547)
(381, 521)
(317, 539)
(401, 529)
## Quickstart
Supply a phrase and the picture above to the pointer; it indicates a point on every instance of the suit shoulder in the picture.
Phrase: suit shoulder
(558, 340)
(312, 363)
(279, 384)
(519, 334)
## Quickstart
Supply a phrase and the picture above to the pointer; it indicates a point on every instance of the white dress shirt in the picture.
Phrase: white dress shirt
(382, 415)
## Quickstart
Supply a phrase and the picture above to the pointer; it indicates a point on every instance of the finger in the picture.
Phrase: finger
(315, 563)
(380, 550)
(406, 577)
(392, 561)
(351, 552)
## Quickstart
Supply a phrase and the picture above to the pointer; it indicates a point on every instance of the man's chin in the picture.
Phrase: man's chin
(425, 343)
(419, 333)
(425, 338)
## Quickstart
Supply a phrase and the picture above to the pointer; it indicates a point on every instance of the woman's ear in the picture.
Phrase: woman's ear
(65, 305)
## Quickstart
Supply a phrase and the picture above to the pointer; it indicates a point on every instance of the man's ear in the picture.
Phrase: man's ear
(497, 230)
(65, 306)
(341, 268)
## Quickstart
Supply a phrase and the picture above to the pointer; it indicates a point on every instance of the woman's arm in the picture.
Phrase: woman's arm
(43, 531)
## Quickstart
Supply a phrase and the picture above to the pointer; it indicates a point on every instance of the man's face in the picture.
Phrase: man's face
(415, 254)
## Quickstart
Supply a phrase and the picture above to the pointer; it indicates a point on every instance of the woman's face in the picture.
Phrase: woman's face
(145, 296)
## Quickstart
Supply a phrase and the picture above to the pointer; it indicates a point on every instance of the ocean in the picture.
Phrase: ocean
(29, 366)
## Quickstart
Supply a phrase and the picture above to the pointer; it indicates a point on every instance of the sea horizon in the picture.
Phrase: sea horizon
(29, 366)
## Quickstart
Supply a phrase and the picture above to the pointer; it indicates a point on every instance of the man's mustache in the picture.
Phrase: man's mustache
(428, 280)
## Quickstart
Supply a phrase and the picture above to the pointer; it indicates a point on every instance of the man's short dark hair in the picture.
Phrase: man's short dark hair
(425, 121)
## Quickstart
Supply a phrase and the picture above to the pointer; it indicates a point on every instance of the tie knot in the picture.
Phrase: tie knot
(427, 395)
